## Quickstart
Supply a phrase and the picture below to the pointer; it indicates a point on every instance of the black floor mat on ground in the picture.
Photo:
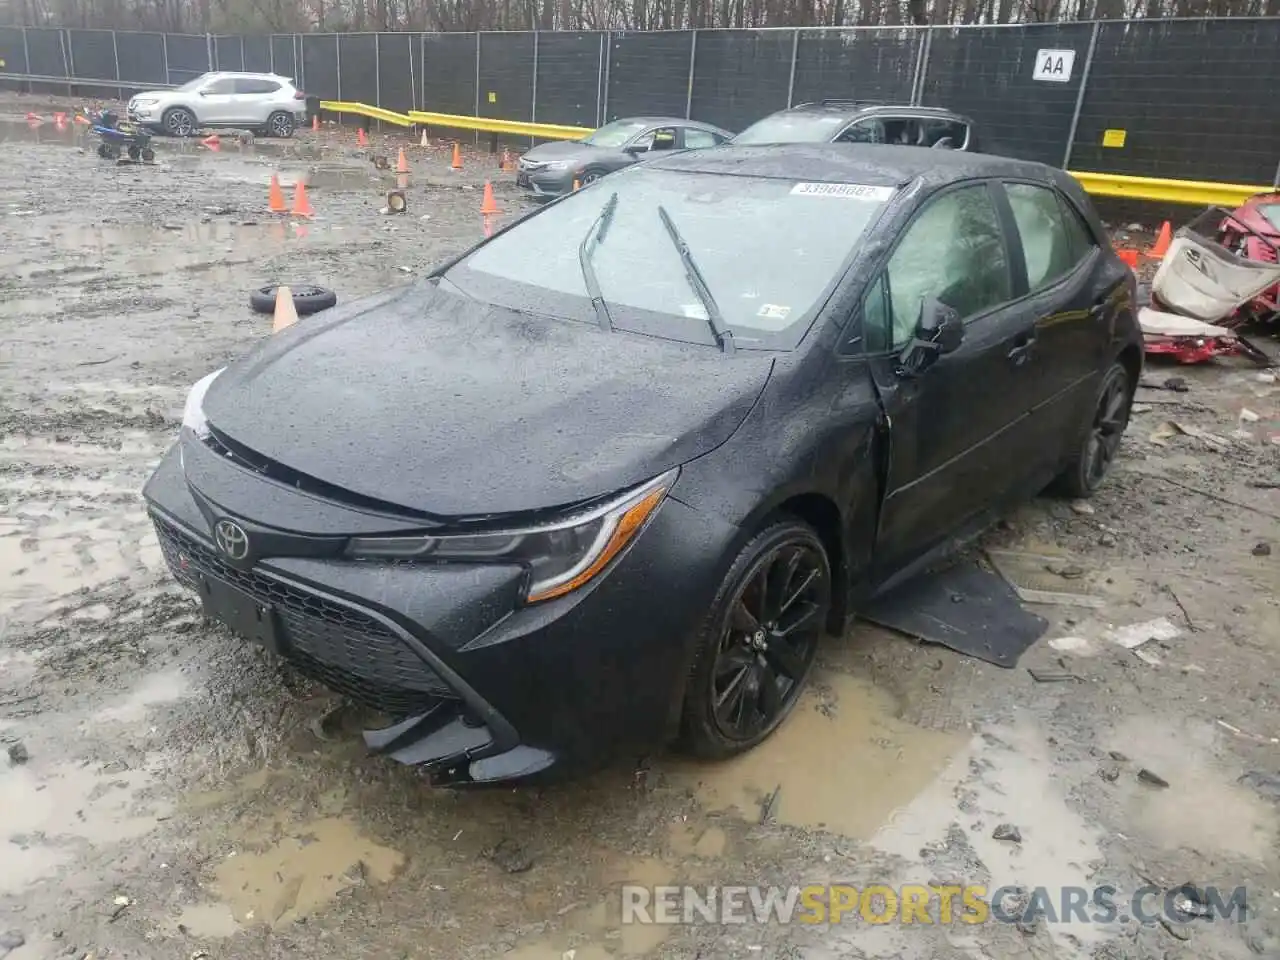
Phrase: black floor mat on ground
(964, 607)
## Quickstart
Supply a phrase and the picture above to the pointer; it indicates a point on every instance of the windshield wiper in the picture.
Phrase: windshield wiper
(715, 319)
(590, 240)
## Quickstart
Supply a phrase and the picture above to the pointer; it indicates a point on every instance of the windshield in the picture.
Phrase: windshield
(793, 128)
(194, 84)
(615, 134)
(769, 250)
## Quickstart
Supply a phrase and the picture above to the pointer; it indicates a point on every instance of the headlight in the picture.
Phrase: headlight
(560, 556)
(557, 165)
(193, 413)
(144, 101)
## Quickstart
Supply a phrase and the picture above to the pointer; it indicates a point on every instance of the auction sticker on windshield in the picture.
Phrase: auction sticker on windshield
(846, 191)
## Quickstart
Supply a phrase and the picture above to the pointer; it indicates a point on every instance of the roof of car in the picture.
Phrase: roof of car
(869, 163)
(673, 121)
(853, 108)
(244, 73)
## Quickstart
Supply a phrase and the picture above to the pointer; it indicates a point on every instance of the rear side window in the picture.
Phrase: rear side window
(256, 86)
(700, 139)
(1082, 241)
(1051, 243)
(944, 134)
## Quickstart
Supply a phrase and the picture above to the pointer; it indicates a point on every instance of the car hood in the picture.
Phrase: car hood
(453, 408)
(561, 150)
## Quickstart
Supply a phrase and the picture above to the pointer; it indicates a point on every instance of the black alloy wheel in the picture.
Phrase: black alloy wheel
(1096, 451)
(759, 642)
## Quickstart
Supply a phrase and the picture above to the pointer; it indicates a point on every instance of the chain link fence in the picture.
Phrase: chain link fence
(1188, 99)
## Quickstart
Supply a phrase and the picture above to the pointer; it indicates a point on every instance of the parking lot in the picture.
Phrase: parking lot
(172, 792)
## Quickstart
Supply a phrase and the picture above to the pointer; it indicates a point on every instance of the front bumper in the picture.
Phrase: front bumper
(481, 688)
(546, 183)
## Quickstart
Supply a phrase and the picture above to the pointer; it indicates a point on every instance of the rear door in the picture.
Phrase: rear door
(255, 99)
(959, 432)
(1072, 307)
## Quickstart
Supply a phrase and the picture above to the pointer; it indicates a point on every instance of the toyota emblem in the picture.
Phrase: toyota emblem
(232, 540)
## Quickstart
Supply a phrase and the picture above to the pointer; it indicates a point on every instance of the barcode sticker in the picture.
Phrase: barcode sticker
(844, 191)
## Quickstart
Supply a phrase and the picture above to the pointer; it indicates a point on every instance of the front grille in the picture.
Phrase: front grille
(337, 645)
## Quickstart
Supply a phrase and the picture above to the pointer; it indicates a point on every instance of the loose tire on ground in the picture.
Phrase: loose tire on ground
(306, 299)
(785, 560)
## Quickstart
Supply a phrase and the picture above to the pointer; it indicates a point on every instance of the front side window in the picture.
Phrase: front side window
(193, 84)
(614, 134)
(1048, 247)
(870, 130)
(1271, 213)
(953, 250)
(664, 138)
(771, 251)
(221, 86)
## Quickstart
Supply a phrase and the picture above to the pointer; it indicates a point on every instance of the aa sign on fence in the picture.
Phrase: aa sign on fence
(1054, 65)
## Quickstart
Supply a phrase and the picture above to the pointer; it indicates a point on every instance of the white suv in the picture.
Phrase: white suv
(262, 102)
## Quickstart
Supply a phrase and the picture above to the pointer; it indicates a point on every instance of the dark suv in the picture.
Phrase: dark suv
(860, 121)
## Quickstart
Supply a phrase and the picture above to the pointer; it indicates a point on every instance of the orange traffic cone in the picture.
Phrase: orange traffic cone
(424, 139)
(315, 123)
(1128, 256)
(361, 139)
(457, 156)
(275, 197)
(286, 314)
(488, 226)
(34, 118)
(402, 165)
(212, 141)
(1163, 239)
(60, 119)
(301, 205)
(80, 118)
(489, 205)
(577, 185)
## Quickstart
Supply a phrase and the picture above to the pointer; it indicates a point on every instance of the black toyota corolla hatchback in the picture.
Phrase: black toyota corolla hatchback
(605, 480)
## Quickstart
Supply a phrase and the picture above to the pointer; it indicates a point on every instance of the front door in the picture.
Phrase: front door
(217, 102)
(959, 432)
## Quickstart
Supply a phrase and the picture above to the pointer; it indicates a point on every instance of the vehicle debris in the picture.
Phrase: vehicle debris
(1267, 784)
(1007, 831)
(1136, 634)
(1154, 779)
(18, 753)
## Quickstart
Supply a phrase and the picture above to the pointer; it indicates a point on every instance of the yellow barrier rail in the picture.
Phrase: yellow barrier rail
(519, 128)
(1192, 192)
(364, 110)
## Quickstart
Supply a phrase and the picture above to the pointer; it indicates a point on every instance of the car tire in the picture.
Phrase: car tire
(591, 175)
(730, 667)
(306, 299)
(179, 122)
(281, 125)
(1094, 448)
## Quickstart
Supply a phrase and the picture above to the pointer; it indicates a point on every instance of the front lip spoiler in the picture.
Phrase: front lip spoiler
(458, 743)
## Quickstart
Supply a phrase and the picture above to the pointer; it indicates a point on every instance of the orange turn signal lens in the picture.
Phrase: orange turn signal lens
(625, 526)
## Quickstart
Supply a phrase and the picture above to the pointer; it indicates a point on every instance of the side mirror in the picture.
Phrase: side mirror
(636, 148)
(203, 93)
(938, 331)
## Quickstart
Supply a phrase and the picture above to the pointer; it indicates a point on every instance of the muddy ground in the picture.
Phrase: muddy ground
(172, 793)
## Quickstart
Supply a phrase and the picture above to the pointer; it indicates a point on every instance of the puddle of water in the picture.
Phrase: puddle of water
(844, 763)
(1241, 824)
(61, 560)
(155, 689)
(296, 874)
(597, 932)
(1007, 778)
(48, 811)
(48, 132)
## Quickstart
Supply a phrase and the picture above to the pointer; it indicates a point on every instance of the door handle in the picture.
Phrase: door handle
(1022, 348)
